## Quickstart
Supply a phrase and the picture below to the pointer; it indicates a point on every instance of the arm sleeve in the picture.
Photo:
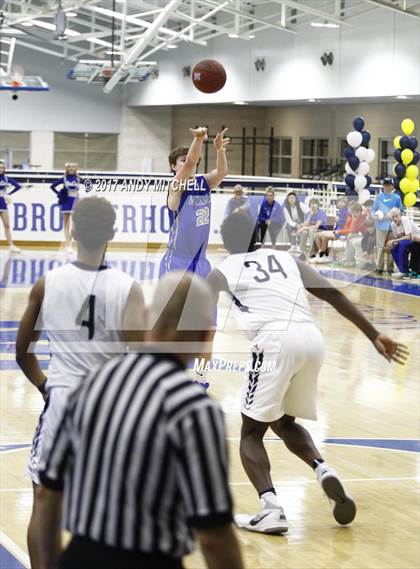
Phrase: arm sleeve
(55, 184)
(202, 467)
(15, 184)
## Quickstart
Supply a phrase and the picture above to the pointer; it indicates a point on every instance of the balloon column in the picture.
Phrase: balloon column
(359, 156)
(406, 170)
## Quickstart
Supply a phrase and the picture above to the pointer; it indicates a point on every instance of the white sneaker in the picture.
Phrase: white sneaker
(344, 508)
(14, 249)
(397, 275)
(323, 260)
(267, 521)
(314, 260)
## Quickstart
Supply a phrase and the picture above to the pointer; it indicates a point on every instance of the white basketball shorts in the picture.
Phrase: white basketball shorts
(283, 375)
(47, 427)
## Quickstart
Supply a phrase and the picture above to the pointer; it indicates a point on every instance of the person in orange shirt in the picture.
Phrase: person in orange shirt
(355, 236)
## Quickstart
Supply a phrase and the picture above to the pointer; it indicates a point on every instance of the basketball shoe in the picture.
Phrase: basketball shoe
(344, 508)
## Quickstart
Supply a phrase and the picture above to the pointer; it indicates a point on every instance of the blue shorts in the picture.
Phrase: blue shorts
(68, 205)
(3, 204)
(171, 262)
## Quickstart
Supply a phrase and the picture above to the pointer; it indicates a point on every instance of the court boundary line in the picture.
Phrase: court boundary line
(17, 552)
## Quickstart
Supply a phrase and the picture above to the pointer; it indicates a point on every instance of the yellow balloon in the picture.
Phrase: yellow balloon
(414, 185)
(412, 172)
(410, 200)
(397, 142)
(407, 126)
(405, 185)
(407, 156)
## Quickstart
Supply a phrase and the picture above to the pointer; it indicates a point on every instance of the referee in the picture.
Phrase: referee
(140, 460)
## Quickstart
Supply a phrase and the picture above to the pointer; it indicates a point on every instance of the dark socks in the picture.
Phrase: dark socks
(265, 491)
(317, 462)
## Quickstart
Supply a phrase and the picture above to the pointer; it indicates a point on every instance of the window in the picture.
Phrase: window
(14, 147)
(90, 151)
(281, 159)
(342, 144)
(386, 157)
(313, 156)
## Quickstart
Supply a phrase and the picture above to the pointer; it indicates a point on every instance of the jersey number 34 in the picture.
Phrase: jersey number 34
(273, 266)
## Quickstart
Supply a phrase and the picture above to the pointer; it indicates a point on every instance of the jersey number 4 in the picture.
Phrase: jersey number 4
(88, 306)
(273, 267)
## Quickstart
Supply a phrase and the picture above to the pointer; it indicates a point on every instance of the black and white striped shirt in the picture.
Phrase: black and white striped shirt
(141, 456)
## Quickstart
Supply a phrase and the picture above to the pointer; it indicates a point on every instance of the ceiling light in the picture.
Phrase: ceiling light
(233, 36)
(27, 24)
(172, 46)
(402, 97)
(311, 100)
(115, 52)
(239, 103)
(324, 25)
(11, 31)
(251, 36)
(71, 14)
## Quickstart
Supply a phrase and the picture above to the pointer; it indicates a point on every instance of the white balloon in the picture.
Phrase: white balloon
(364, 195)
(360, 182)
(354, 138)
(348, 169)
(363, 169)
(361, 153)
(370, 155)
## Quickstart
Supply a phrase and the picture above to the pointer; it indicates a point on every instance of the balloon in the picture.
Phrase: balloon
(413, 143)
(397, 155)
(368, 181)
(407, 126)
(397, 142)
(348, 169)
(361, 153)
(354, 138)
(416, 157)
(363, 168)
(414, 185)
(348, 151)
(405, 185)
(410, 200)
(407, 156)
(358, 123)
(412, 172)
(349, 179)
(396, 183)
(364, 196)
(354, 162)
(370, 155)
(365, 138)
(405, 142)
(360, 182)
(399, 171)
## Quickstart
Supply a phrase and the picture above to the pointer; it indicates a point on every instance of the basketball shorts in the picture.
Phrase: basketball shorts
(283, 373)
(172, 262)
(47, 427)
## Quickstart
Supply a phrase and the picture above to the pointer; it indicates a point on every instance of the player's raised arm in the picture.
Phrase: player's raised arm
(27, 334)
(324, 290)
(216, 176)
(187, 167)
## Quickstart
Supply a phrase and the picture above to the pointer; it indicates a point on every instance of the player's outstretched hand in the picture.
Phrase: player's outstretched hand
(220, 142)
(390, 350)
(199, 132)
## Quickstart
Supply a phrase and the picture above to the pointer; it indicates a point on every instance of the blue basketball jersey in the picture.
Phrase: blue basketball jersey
(190, 225)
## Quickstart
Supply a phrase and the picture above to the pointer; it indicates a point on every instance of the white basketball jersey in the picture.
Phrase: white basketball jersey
(268, 290)
(82, 314)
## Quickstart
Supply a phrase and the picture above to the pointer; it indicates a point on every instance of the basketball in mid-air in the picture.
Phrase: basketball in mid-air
(209, 76)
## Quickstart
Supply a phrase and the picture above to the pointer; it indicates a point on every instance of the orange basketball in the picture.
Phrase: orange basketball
(209, 76)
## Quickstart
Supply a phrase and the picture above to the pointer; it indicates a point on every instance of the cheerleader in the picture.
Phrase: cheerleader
(67, 197)
(4, 214)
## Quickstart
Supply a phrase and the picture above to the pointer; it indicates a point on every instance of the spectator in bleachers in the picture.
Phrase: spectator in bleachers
(341, 229)
(400, 245)
(270, 217)
(368, 244)
(315, 219)
(238, 200)
(357, 229)
(294, 215)
(381, 210)
(414, 263)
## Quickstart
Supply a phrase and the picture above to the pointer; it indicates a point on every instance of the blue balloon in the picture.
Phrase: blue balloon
(396, 183)
(413, 142)
(349, 179)
(404, 142)
(368, 181)
(359, 123)
(348, 152)
(365, 138)
(353, 163)
(397, 155)
(416, 157)
(400, 171)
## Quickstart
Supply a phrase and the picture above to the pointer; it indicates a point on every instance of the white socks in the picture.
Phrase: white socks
(269, 501)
